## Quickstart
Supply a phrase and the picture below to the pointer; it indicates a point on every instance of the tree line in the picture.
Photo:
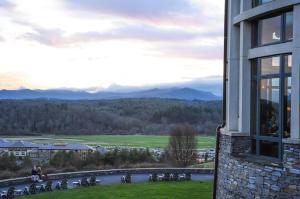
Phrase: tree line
(124, 116)
(63, 161)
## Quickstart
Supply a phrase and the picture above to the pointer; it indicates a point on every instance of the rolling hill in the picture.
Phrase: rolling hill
(166, 93)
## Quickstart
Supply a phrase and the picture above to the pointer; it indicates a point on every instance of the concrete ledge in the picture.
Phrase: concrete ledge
(269, 50)
(259, 160)
(264, 9)
(233, 133)
(57, 176)
(291, 141)
(14, 181)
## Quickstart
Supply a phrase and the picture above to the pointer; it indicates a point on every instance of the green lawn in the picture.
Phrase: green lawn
(205, 165)
(179, 190)
(150, 141)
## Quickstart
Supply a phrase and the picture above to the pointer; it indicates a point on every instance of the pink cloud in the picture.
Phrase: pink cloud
(162, 12)
(192, 51)
(57, 38)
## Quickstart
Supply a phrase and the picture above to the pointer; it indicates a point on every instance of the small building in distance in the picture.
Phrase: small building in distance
(41, 152)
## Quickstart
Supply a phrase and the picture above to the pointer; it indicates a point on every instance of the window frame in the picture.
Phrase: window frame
(256, 3)
(256, 33)
(256, 137)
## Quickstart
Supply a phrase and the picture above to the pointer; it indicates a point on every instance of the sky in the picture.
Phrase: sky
(83, 44)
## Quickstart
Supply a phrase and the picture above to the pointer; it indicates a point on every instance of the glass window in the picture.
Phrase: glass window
(271, 104)
(253, 109)
(270, 30)
(270, 65)
(287, 106)
(274, 29)
(269, 148)
(260, 2)
(265, 1)
(288, 64)
(289, 26)
(269, 107)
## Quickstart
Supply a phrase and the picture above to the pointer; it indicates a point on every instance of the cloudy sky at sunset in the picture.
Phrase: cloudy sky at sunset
(98, 43)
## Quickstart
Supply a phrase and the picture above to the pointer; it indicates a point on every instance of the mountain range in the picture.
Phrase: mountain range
(163, 93)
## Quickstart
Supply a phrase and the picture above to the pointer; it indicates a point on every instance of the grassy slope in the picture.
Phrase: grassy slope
(150, 141)
(182, 190)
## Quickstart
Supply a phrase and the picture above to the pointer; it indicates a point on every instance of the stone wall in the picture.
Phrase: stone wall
(245, 176)
(57, 176)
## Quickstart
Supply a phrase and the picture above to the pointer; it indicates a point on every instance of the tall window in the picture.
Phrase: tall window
(271, 104)
(275, 29)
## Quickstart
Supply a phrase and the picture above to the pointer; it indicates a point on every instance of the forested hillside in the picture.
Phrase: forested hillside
(123, 116)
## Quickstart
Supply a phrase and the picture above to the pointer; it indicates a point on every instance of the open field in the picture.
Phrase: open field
(179, 190)
(151, 141)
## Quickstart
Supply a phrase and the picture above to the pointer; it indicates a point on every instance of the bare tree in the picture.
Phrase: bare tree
(183, 145)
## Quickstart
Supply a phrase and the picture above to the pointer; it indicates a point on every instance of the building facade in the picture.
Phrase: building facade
(259, 144)
(41, 152)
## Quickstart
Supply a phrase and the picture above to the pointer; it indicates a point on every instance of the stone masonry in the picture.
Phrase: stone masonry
(245, 176)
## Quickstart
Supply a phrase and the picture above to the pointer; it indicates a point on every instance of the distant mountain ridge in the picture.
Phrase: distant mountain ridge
(166, 93)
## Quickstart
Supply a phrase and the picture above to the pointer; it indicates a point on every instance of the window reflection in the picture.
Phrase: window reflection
(266, 1)
(270, 65)
(287, 107)
(270, 30)
(269, 107)
(289, 26)
(288, 64)
(260, 2)
(271, 104)
(254, 119)
(274, 29)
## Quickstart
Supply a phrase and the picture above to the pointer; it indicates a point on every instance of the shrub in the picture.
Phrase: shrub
(8, 162)
(6, 174)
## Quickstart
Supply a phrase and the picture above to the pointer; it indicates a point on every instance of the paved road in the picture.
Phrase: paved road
(115, 179)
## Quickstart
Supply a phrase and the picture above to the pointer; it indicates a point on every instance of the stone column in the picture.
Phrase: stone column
(232, 67)
(245, 73)
(245, 79)
(295, 120)
(291, 159)
(245, 5)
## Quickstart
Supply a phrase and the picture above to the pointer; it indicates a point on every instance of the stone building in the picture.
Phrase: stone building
(259, 143)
